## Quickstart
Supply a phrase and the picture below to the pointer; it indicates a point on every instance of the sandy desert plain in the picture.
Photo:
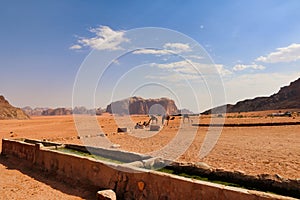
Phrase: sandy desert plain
(254, 150)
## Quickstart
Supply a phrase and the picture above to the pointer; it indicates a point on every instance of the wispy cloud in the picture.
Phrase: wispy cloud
(192, 69)
(153, 51)
(168, 48)
(222, 70)
(241, 67)
(195, 57)
(284, 54)
(177, 47)
(74, 47)
(105, 39)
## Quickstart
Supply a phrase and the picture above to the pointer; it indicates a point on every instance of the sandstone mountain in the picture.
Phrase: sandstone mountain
(140, 106)
(288, 97)
(8, 111)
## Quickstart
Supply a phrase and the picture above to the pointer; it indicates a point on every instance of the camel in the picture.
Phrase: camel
(153, 118)
(166, 117)
(139, 125)
(146, 124)
(186, 116)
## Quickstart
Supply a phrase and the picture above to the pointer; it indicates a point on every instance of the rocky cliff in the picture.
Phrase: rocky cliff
(138, 105)
(288, 97)
(8, 111)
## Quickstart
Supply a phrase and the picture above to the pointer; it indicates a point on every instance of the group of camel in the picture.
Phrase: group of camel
(165, 119)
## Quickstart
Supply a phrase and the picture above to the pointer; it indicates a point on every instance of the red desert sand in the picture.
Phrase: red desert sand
(254, 150)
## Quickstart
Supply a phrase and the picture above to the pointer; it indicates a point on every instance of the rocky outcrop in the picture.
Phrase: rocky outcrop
(140, 106)
(106, 195)
(8, 111)
(288, 97)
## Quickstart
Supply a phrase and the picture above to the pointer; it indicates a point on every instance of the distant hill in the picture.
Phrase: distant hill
(57, 111)
(288, 97)
(33, 112)
(61, 111)
(185, 111)
(138, 105)
(8, 111)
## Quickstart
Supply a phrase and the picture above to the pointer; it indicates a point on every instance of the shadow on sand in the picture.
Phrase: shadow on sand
(56, 182)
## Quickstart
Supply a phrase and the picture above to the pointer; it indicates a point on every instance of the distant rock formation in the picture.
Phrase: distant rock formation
(57, 111)
(81, 110)
(33, 112)
(288, 97)
(140, 106)
(84, 111)
(185, 111)
(8, 111)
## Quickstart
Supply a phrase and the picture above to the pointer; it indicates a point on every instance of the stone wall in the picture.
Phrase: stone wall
(19, 149)
(128, 183)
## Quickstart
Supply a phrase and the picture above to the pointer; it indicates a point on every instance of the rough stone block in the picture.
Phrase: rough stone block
(154, 127)
(106, 195)
(121, 130)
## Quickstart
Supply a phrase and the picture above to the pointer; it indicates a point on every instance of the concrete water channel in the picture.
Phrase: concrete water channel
(123, 172)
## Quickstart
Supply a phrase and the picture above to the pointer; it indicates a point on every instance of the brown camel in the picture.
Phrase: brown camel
(168, 118)
(186, 116)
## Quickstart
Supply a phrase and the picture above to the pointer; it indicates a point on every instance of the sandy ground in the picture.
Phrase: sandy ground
(19, 181)
(254, 150)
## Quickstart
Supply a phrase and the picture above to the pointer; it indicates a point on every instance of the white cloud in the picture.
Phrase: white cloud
(241, 67)
(190, 68)
(105, 39)
(173, 65)
(153, 51)
(223, 71)
(285, 54)
(76, 46)
(195, 57)
(182, 67)
(168, 48)
(177, 47)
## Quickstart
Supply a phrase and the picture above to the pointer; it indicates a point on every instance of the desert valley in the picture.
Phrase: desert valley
(253, 150)
(150, 100)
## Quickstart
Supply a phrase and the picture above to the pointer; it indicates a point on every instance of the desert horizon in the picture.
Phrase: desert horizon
(150, 100)
(250, 150)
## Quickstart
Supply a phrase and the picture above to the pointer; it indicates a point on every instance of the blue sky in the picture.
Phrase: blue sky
(256, 42)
